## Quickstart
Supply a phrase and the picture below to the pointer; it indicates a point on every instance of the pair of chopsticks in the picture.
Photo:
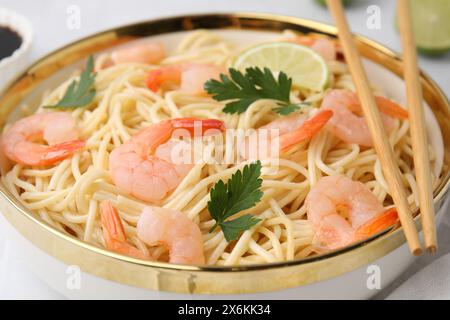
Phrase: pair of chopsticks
(417, 126)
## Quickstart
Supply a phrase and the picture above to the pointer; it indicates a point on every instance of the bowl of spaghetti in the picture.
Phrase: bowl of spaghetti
(170, 158)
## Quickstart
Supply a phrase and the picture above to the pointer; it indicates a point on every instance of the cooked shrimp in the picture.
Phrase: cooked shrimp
(189, 76)
(147, 52)
(58, 129)
(173, 229)
(343, 211)
(143, 166)
(156, 226)
(323, 46)
(141, 52)
(291, 131)
(114, 233)
(348, 125)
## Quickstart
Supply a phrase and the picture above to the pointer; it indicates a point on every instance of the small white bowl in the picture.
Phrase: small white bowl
(10, 66)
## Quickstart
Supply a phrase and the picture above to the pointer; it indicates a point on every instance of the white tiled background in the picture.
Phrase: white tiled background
(49, 21)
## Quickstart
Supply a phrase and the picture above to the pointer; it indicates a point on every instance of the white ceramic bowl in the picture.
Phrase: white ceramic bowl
(15, 63)
(79, 270)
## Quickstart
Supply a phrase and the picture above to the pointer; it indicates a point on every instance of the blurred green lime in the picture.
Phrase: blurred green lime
(324, 3)
(431, 24)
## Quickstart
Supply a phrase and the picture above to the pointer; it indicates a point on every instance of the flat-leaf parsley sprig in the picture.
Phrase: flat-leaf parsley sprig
(243, 89)
(79, 93)
(242, 191)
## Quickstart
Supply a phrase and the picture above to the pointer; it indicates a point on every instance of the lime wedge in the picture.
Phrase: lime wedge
(306, 68)
(431, 25)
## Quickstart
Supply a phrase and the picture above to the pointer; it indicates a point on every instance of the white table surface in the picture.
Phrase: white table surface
(49, 21)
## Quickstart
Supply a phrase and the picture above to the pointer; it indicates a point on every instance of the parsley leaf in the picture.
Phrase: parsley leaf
(243, 89)
(241, 192)
(79, 93)
(286, 109)
(232, 229)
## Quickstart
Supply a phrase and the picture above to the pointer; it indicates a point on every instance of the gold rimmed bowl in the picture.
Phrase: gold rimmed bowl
(80, 270)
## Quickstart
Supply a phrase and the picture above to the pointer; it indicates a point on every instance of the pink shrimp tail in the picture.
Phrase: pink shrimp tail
(306, 131)
(189, 77)
(197, 125)
(377, 224)
(60, 151)
(154, 80)
(385, 105)
(112, 226)
(390, 108)
(114, 232)
(194, 126)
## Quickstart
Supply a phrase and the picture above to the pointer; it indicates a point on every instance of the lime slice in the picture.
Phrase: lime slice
(306, 67)
(431, 25)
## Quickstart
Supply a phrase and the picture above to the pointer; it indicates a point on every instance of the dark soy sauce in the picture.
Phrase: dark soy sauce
(10, 41)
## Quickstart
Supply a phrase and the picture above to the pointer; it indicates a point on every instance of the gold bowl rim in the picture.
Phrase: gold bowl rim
(237, 17)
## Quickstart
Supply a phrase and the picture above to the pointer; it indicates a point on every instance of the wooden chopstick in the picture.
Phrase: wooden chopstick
(417, 125)
(381, 141)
